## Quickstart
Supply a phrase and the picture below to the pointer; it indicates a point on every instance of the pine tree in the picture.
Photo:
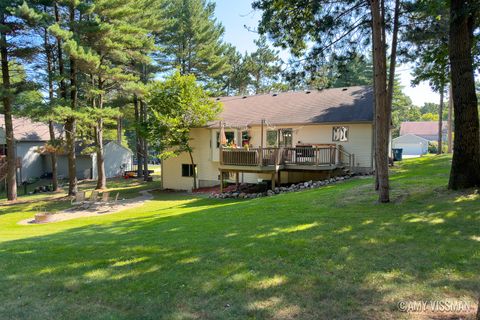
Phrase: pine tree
(464, 20)
(263, 65)
(110, 43)
(15, 22)
(192, 42)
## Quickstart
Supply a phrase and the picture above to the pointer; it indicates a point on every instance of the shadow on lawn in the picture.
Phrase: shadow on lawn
(248, 259)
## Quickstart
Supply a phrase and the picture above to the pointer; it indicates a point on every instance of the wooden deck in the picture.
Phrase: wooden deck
(273, 160)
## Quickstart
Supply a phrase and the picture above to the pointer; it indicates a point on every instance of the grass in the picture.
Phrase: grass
(329, 253)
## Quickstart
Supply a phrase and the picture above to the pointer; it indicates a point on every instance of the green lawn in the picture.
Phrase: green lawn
(329, 253)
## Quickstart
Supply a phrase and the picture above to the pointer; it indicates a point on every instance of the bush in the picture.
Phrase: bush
(433, 147)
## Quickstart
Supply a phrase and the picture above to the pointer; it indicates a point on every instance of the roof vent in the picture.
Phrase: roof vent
(218, 99)
(244, 97)
(275, 94)
(344, 89)
(307, 92)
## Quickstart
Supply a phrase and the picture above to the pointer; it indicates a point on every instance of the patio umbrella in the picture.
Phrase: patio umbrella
(223, 137)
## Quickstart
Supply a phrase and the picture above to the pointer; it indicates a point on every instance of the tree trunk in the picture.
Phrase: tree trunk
(51, 128)
(102, 178)
(119, 129)
(450, 116)
(465, 172)
(143, 106)
(440, 121)
(138, 138)
(11, 178)
(70, 124)
(61, 67)
(194, 170)
(381, 104)
(393, 64)
(478, 310)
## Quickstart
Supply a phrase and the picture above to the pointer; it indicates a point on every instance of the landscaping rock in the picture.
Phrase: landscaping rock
(282, 189)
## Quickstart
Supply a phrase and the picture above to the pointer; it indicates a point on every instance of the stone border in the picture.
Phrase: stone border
(280, 190)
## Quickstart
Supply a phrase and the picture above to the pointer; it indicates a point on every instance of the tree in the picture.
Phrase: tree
(15, 22)
(263, 66)
(426, 45)
(111, 43)
(323, 26)
(465, 172)
(237, 79)
(192, 42)
(176, 105)
(352, 69)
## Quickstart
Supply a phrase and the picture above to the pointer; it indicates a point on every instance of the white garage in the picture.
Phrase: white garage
(411, 144)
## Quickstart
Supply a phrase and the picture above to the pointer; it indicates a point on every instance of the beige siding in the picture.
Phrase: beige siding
(359, 142)
(207, 170)
(206, 152)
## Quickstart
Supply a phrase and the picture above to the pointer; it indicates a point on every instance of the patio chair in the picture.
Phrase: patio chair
(79, 198)
(105, 197)
(114, 202)
(104, 200)
(93, 196)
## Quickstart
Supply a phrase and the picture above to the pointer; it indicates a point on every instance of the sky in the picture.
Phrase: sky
(236, 14)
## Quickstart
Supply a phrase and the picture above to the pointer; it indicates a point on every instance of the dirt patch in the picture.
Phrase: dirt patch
(96, 210)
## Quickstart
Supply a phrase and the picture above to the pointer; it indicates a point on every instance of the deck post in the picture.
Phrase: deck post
(279, 182)
(273, 181)
(221, 181)
(236, 180)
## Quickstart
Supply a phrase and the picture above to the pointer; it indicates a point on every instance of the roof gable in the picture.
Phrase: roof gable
(410, 136)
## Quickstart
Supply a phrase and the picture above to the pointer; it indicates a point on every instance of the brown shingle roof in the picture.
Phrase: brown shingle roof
(352, 104)
(25, 129)
(421, 128)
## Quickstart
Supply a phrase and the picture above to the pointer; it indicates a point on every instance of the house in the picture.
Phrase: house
(284, 137)
(424, 129)
(29, 137)
(117, 159)
(33, 162)
(411, 144)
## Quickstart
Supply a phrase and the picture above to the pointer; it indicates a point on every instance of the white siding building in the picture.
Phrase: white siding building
(305, 135)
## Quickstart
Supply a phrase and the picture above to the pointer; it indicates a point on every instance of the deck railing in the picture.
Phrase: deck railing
(314, 156)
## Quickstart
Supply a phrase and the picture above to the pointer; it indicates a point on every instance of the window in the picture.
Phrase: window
(340, 134)
(272, 138)
(286, 137)
(187, 170)
(230, 135)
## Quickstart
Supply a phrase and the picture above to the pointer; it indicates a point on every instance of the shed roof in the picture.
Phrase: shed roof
(410, 136)
(338, 105)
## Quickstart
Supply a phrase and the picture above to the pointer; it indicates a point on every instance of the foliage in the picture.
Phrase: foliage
(433, 147)
(177, 105)
(263, 66)
(192, 41)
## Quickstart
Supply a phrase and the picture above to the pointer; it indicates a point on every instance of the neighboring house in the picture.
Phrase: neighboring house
(291, 136)
(117, 159)
(424, 129)
(29, 137)
(33, 162)
(411, 144)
